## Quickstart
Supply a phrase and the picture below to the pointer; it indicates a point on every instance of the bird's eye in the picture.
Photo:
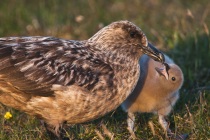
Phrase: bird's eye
(132, 34)
(173, 78)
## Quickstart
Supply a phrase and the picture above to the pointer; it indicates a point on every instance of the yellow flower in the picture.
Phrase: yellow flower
(8, 115)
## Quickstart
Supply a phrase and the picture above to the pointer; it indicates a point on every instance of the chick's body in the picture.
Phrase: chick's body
(154, 93)
(70, 81)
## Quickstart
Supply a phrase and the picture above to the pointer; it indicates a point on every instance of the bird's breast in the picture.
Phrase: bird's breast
(77, 104)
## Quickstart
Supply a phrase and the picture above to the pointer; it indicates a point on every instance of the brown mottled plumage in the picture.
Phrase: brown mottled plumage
(156, 92)
(70, 81)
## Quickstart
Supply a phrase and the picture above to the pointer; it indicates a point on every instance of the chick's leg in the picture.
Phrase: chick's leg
(164, 124)
(130, 122)
(169, 133)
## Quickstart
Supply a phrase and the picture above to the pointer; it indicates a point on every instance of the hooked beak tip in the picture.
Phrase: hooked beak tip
(155, 54)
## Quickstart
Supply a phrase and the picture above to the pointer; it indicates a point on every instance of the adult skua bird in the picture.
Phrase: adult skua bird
(72, 81)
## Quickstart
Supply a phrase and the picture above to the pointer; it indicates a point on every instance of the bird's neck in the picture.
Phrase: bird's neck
(123, 57)
(125, 65)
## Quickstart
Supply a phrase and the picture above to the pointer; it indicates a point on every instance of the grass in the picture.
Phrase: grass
(179, 28)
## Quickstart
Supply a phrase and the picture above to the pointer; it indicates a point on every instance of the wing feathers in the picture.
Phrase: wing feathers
(36, 63)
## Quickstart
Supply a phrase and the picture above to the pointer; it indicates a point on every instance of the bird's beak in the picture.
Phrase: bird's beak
(154, 53)
(163, 71)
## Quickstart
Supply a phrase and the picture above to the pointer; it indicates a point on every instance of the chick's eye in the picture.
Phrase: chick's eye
(132, 34)
(173, 78)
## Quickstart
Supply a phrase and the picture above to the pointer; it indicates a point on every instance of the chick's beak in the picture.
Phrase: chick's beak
(154, 53)
(162, 72)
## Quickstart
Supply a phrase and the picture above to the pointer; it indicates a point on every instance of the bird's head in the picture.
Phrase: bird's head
(126, 37)
(171, 76)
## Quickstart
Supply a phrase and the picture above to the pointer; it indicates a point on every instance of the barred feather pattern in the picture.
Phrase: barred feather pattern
(50, 61)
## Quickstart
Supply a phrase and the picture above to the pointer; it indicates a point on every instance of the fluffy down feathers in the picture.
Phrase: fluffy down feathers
(154, 93)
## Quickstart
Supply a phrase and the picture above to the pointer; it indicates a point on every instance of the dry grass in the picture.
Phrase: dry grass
(179, 28)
